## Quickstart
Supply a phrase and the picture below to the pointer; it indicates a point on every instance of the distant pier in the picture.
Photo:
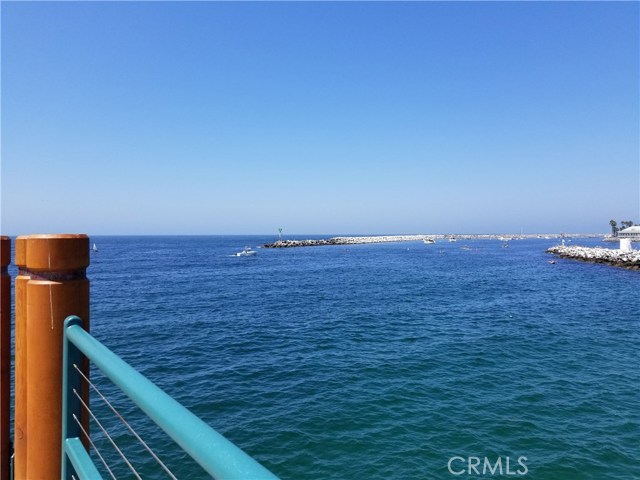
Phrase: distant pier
(618, 258)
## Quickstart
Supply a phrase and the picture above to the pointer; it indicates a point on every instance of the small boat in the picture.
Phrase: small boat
(95, 249)
(247, 252)
(428, 240)
(452, 239)
(552, 262)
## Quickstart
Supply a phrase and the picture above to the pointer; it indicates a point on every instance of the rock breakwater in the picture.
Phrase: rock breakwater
(630, 260)
(414, 238)
(345, 241)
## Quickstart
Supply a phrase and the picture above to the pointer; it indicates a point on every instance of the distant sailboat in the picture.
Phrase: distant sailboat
(95, 249)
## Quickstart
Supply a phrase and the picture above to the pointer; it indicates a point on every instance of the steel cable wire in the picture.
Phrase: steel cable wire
(113, 409)
(94, 446)
(124, 457)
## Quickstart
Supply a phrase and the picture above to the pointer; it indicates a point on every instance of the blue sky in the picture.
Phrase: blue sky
(324, 117)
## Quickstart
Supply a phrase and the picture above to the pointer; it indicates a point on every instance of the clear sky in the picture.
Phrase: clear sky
(324, 117)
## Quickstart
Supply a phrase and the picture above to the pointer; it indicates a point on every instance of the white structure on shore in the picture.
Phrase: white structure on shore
(628, 235)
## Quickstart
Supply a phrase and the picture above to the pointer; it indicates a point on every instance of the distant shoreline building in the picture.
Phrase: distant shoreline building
(628, 235)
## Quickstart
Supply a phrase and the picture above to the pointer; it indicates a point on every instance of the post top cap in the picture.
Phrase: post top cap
(54, 252)
(47, 236)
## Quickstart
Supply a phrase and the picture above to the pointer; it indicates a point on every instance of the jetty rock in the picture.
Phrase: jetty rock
(618, 258)
(300, 243)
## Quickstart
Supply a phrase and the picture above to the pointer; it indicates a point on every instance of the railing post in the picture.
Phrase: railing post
(5, 356)
(57, 288)
(71, 382)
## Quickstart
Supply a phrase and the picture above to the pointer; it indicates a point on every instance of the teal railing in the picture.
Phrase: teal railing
(215, 454)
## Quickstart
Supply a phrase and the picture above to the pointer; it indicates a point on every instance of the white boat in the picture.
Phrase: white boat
(247, 252)
(95, 249)
(452, 239)
(429, 240)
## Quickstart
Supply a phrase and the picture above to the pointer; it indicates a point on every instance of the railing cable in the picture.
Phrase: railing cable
(144, 444)
(94, 446)
(107, 435)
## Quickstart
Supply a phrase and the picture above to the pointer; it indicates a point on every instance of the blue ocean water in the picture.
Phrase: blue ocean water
(377, 361)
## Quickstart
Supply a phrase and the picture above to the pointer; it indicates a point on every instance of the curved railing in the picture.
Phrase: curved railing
(214, 453)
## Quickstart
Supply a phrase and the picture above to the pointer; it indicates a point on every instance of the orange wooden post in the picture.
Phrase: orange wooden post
(20, 366)
(5, 356)
(57, 287)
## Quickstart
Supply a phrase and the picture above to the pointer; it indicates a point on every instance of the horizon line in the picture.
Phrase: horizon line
(330, 235)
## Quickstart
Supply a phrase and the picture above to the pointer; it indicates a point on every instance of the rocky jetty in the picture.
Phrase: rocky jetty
(630, 260)
(414, 238)
(345, 241)
(300, 243)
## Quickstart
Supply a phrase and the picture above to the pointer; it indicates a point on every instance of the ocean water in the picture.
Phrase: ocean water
(376, 361)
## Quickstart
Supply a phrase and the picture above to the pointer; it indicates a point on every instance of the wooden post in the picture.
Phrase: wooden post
(56, 288)
(5, 356)
(20, 366)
